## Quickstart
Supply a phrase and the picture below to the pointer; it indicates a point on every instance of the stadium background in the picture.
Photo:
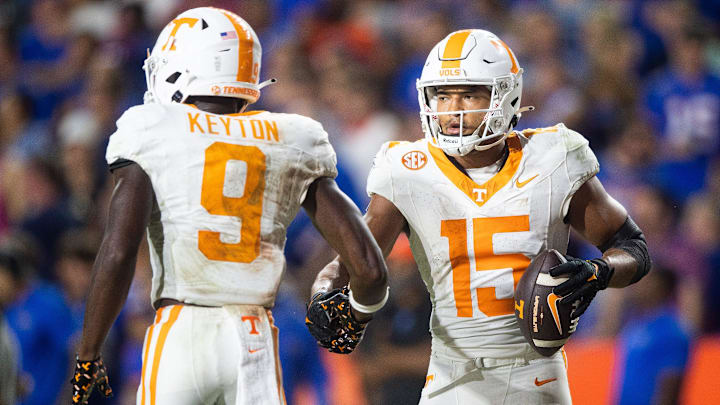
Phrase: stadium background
(638, 78)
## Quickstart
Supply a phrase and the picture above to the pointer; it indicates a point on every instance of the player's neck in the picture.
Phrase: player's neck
(218, 105)
(482, 158)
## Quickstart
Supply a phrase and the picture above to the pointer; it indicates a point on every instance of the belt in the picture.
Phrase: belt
(479, 363)
(164, 302)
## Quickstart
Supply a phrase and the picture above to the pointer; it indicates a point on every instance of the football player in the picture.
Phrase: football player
(479, 201)
(216, 187)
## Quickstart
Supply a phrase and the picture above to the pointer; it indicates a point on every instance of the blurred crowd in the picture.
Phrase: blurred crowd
(639, 78)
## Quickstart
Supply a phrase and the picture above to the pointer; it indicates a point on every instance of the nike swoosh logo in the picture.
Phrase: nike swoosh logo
(552, 301)
(543, 382)
(521, 184)
(251, 351)
(594, 276)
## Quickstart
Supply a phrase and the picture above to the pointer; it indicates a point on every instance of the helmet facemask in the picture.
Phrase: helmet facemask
(492, 130)
(156, 64)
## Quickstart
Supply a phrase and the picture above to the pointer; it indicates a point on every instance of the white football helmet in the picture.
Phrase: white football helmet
(204, 51)
(471, 58)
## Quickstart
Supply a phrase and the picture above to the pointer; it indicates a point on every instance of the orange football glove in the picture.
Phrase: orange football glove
(88, 375)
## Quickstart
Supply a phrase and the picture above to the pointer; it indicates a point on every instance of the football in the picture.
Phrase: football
(543, 320)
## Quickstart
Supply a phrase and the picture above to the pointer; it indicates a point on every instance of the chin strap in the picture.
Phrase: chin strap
(501, 137)
(526, 108)
(516, 117)
(267, 83)
(490, 145)
(148, 98)
(513, 122)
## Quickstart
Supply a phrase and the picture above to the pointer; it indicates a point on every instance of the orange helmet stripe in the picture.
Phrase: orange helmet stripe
(245, 71)
(514, 68)
(453, 49)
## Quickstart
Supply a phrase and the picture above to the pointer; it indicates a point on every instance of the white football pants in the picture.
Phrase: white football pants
(525, 380)
(198, 355)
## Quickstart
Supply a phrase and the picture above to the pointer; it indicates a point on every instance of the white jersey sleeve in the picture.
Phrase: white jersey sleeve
(326, 160)
(317, 145)
(126, 142)
(380, 177)
(581, 163)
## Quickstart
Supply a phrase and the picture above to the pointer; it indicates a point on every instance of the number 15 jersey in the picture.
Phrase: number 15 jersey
(472, 242)
(226, 188)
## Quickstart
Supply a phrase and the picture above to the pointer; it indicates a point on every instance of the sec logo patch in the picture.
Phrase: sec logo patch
(414, 160)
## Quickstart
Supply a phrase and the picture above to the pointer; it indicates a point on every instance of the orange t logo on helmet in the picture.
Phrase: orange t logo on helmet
(178, 23)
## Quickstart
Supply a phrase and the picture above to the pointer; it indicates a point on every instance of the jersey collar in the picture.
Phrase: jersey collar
(480, 193)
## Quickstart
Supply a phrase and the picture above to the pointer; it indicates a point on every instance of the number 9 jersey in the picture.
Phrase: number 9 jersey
(472, 242)
(226, 188)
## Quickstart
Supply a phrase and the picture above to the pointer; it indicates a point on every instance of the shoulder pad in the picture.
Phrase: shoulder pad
(553, 131)
(580, 162)
(392, 147)
(573, 140)
(141, 117)
(392, 144)
(308, 133)
(547, 138)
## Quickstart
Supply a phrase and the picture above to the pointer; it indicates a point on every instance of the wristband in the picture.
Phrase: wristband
(368, 309)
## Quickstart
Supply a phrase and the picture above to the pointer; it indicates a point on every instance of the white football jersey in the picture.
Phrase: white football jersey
(226, 188)
(472, 242)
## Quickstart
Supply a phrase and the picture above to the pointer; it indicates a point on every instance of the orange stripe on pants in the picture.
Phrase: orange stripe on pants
(162, 336)
(148, 342)
(276, 349)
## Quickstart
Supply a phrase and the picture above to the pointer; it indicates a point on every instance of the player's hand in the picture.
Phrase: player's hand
(88, 375)
(585, 279)
(331, 322)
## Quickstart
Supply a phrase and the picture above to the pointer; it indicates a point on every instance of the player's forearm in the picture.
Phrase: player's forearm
(361, 258)
(343, 227)
(367, 289)
(335, 275)
(112, 276)
(624, 265)
(627, 254)
(332, 276)
(368, 281)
